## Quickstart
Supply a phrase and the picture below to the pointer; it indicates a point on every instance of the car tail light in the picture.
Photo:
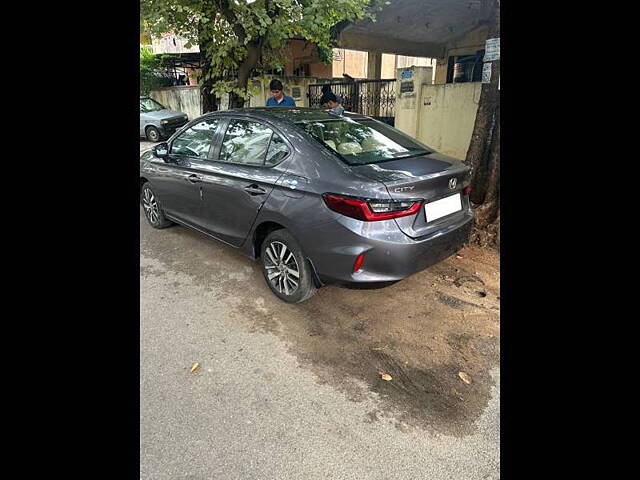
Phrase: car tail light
(358, 264)
(467, 190)
(370, 210)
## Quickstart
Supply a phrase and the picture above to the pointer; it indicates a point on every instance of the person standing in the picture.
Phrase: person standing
(279, 99)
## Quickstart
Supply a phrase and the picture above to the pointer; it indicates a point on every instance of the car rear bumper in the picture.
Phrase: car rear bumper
(389, 254)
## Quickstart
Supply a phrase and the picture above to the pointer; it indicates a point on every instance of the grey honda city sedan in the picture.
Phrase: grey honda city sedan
(316, 198)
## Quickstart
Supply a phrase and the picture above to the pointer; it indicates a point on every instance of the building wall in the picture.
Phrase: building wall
(296, 87)
(469, 44)
(300, 53)
(407, 103)
(441, 116)
(388, 69)
(170, 43)
(351, 62)
(447, 116)
(354, 63)
(391, 62)
(185, 99)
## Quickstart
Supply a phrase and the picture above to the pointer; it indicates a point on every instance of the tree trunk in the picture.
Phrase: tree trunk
(483, 154)
(208, 100)
(254, 50)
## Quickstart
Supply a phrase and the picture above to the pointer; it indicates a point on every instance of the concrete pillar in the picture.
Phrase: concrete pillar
(372, 90)
(374, 65)
(409, 84)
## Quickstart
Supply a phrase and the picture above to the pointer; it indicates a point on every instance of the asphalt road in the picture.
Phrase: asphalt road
(267, 404)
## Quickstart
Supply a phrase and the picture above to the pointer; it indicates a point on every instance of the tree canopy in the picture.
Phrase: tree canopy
(240, 37)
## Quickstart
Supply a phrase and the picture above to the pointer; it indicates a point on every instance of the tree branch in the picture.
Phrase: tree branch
(232, 19)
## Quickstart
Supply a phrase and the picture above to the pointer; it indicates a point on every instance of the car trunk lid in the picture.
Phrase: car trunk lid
(427, 177)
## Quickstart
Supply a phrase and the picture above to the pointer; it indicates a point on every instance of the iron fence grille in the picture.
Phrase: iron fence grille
(375, 98)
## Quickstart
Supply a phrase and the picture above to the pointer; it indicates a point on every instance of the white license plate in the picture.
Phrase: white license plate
(443, 207)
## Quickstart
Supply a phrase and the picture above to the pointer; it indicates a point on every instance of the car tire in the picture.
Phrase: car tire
(153, 134)
(152, 209)
(284, 284)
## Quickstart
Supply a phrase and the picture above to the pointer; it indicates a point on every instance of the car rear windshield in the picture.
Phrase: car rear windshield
(149, 105)
(360, 142)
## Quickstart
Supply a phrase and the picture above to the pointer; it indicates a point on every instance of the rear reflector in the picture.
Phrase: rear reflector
(358, 264)
(467, 190)
(370, 210)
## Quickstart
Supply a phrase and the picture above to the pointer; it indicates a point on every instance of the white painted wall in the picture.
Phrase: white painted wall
(183, 98)
(441, 116)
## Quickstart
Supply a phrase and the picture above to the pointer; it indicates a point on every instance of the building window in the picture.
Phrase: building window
(465, 68)
(301, 71)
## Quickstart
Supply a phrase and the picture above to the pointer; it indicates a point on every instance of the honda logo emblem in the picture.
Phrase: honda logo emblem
(452, 183)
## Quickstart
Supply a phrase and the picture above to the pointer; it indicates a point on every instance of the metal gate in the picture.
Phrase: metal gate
(375, 98)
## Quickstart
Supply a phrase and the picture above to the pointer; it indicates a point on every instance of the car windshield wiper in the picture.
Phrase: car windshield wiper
(417, 154)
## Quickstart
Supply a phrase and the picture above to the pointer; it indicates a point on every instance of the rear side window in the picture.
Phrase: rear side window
(252, 143)
(277, 150)
(196, 140)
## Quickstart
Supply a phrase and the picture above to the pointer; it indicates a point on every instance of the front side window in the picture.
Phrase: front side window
(360, 142)
(196, 140)
(149, 105)
(252, 143)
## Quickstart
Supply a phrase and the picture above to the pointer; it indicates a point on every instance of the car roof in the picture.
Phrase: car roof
(290, 114)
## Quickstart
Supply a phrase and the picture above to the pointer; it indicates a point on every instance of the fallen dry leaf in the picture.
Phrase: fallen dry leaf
(465, 377)
(385, 376)
(195, 367)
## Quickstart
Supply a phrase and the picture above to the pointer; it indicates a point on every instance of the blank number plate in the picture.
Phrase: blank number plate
(443, 207)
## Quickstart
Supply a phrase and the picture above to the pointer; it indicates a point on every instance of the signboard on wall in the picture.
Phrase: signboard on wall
(492, 50)
(406, 87)
(486, 72)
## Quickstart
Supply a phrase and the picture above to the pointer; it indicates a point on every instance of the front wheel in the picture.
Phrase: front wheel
(153, 134)
(285, 268)
(152, 209)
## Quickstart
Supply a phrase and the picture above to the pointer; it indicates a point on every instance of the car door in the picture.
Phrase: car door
(176, 180)
(242, 172)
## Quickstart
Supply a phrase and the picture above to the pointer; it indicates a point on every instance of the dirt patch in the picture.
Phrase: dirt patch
(423, 331)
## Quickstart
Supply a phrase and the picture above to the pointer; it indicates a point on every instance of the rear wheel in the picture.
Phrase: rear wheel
(153, 134)
(285, 268)
(152, 209)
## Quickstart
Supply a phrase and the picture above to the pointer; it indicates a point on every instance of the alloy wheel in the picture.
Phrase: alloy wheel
(282, 268)
(150, 205)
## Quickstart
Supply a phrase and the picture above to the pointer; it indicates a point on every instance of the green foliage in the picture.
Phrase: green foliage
(151, 71)
(229, 32)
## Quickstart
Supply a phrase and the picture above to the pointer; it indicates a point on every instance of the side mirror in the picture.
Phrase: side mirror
(161, 150)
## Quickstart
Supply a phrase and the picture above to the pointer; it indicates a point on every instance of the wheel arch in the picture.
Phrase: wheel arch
(143, 180)
(263, 229)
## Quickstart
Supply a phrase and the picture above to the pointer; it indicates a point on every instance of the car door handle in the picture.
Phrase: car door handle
(254, 189)
(194, 178)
